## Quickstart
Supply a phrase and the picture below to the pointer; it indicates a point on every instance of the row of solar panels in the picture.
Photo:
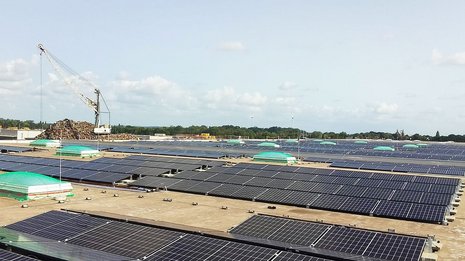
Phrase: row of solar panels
(100, 170)
(116, 240)
(253, 181)
(429, 207)
(5, 149)
(363, 187)
(311, 236)
(408, 168)
(351, 174)
(372, 153)
(449, 153)
(175, 152)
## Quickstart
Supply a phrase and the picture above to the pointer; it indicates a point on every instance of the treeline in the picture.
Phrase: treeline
(231, 131)
(226, 131)
(28, 124)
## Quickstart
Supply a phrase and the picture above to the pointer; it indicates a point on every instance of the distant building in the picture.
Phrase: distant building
(21, 134)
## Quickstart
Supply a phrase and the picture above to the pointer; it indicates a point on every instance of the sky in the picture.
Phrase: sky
(351, 66)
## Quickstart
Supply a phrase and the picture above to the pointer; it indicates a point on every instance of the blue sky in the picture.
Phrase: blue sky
(317, 65)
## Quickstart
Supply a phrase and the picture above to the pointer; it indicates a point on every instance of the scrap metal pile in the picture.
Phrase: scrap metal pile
(79, 130)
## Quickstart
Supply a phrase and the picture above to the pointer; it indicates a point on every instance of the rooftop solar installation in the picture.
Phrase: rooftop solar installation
(367, 193)
(4, 148)
(344, 240)
(401, 167)
(10, 256)
(368, 196)
(100, 238)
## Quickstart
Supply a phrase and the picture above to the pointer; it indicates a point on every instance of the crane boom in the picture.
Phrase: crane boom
(60, 68)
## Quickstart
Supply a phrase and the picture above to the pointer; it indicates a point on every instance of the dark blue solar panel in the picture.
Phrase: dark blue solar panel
(393, 209)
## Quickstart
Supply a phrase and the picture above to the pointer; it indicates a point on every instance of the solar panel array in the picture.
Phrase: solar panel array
(136, 241)
(434, 151)
(10, 256)
(5, 148)
(407, 197)
(102, 170)
(173, 152)
(399, 167)
(352, 241)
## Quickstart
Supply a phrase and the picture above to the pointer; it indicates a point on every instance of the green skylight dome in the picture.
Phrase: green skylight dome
(29, 185)
(79, 151)
(384, 148)
(268, 144)
(275, 156)
(235, 142)
(45, 143)
(410, 146)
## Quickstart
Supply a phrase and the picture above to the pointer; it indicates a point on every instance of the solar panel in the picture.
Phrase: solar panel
(289, 256)
(125, 239)
(225, 190)
(428, 213)
(193, 247)
(299, 198)
(233, 251)
(237, 179)
(155, 182)
(393, 209)
(184, 185)
(204, 187)
(42, 221)
(377, 193)
(345, 180)
(285, 175)
(435, 188)
(248, 192)
(395, 247)
(424, 187)
(303, 177)
(259, 182)
(326, 188)
(324, 179)
(358, 205)
(365, 182)
(146, 241)
(346, 240)
(299, 232)
(10, 256)
(327, 201)
(353, 241)
(70, 227)
(387, 184)
(352, 191)
(302, 186)
(259, 226)
(407, 196)
(274, 195)
(219, 177)
(436, 199)
(280, 183)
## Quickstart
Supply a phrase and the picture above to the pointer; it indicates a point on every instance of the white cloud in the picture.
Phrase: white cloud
(438, 58)
(287, 85)
(228, 98)
(150, 92)
(254, 99)
(232, 46)
(15, 76)
(386, 108)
